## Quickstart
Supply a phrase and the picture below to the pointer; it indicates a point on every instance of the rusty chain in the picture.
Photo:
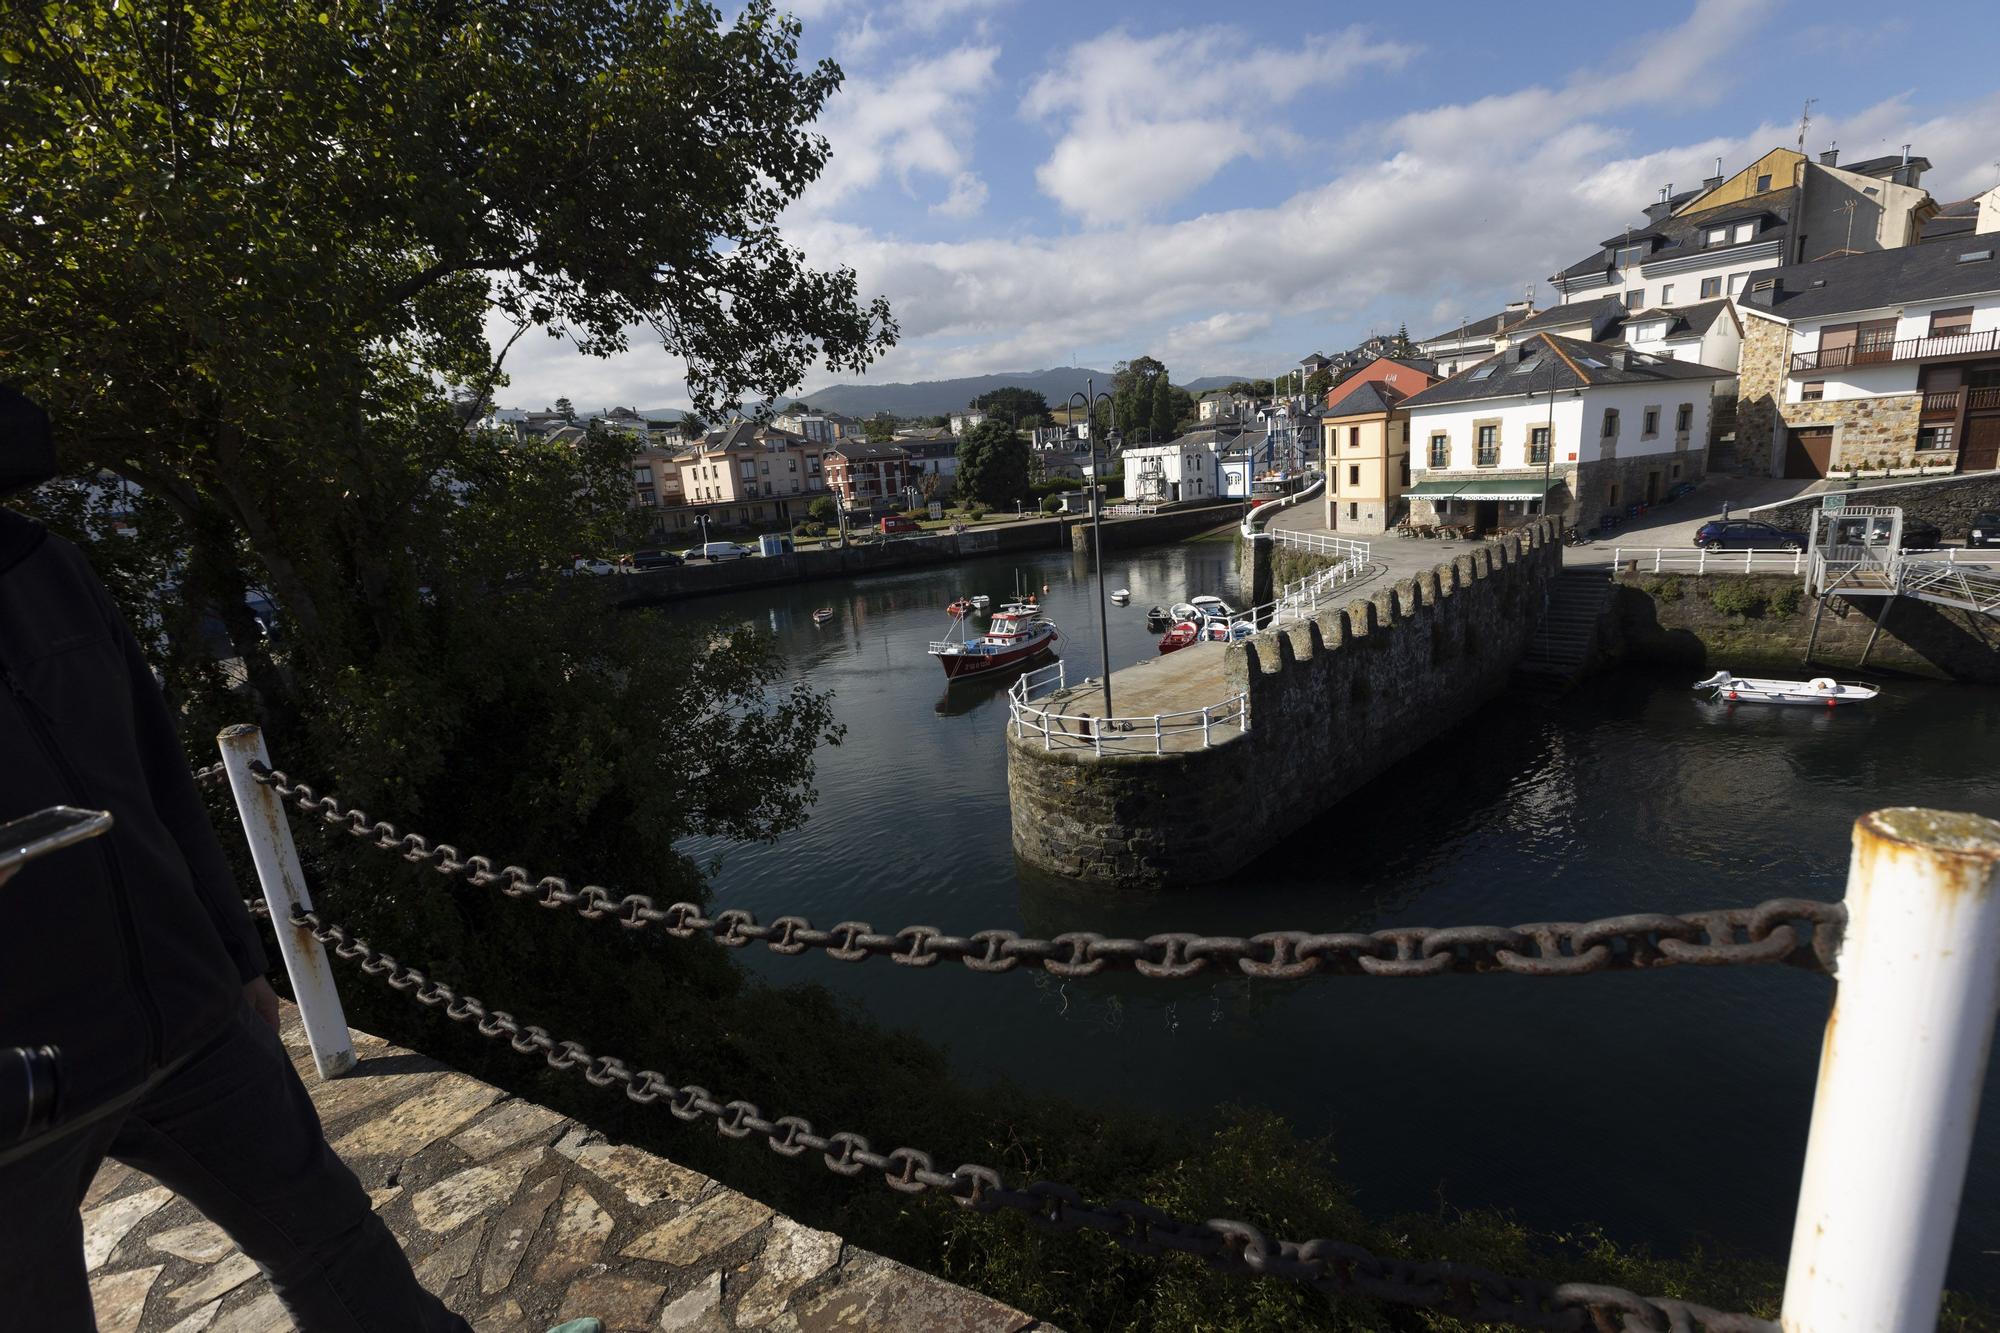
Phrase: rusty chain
(1797, 931)
(1239, 1249)
(213, 773)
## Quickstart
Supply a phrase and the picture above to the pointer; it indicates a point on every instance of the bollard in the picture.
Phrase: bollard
(277, 861)
(1900, 1073)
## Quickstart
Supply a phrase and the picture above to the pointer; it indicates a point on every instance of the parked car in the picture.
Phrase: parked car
(644, 560)
(1746, 534)
(716, 551)
(1921, 536)
(1985, 530)
(895, 524)
(592, 564)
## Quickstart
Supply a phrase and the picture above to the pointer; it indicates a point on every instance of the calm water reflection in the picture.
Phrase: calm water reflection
(1667, 1105)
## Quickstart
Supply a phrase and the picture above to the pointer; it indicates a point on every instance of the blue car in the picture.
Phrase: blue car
(1745, 534)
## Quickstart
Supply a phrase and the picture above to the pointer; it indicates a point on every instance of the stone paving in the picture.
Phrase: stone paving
(519, 1218)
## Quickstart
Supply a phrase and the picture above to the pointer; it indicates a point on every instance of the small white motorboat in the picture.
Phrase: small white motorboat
(1820, 691)
(981, 600)
(1121, 595)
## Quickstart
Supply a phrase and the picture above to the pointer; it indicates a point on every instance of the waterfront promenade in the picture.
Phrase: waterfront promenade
(518, 1217)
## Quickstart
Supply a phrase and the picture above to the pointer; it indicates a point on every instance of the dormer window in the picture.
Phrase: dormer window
(1631, 255)
(1763, 184)
(1717, 236)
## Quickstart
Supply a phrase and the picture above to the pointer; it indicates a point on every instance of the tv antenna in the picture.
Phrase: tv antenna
(1805, 120)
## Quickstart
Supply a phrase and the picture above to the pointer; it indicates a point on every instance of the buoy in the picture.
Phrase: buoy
(1732, 694)
(1045, 587)
(1833, 703)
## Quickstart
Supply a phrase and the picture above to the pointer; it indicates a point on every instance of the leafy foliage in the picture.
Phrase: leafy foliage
(1021, 408)
(1318, 383)
(993, 464)
(1132, 395)
(1251, 388)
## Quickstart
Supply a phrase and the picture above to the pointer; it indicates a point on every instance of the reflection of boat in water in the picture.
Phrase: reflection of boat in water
(821, 616)
(1019, 633)
(1823, 691)
(967, 693)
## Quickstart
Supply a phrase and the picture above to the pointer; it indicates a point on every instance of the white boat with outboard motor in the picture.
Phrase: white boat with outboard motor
(1820, 691)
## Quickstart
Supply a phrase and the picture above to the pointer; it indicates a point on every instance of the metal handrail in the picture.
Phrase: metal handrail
(1703, 560)
(1903, 349)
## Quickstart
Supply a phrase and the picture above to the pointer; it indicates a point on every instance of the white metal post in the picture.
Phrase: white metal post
(277, 861)
(1900, 1073)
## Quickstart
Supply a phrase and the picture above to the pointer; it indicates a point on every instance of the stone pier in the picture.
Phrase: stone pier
(1332, 701)
(519, 1218)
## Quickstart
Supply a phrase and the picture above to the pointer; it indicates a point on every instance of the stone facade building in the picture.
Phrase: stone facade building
(1885, 362)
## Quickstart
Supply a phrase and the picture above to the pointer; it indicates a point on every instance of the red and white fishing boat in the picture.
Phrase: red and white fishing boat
(1018, 633)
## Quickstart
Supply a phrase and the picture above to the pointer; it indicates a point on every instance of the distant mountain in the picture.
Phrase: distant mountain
(928, 398)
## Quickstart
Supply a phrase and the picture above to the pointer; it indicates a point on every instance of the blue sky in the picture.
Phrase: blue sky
(1227, 188)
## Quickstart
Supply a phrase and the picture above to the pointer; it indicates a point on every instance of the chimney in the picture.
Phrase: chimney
(1764, 291)
(1906, 155)
(1831, 157)
(1716, 179)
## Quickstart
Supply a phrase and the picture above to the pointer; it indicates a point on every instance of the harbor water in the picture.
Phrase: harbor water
(1668, 1106)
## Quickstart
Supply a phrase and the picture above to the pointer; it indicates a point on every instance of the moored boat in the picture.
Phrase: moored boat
(1019, 633)
(982, 600)
(1121, 595)
(960, 608)
(1820, 691)
(821, 616)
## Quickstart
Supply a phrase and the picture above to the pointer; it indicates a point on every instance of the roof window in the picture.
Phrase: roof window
(1486, 370)
(1591, 361)
(1974, 256)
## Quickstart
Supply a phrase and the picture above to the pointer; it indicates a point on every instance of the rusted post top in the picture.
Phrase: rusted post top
(1944, 832)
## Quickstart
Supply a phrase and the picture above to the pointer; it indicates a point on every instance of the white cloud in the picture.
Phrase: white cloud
(1146, 121)
(912, 122)
(967, 197)
(1437, 215)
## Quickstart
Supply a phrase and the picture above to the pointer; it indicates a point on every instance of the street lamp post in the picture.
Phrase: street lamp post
(1089, 400)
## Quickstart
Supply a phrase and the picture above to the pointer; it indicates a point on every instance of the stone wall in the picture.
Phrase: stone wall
(1169, 525)
(1666, 620)
(516, 1217)
(1332, 703)
(1949, 502)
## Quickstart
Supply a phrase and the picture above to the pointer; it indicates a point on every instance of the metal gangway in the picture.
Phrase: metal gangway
(1857, 551)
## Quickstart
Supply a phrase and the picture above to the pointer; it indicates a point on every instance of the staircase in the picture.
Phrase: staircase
(1565, 639)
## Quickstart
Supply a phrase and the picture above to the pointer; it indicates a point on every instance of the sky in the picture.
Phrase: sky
(1230, 187)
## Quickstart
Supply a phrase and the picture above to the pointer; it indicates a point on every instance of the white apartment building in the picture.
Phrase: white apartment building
(1188, 468)
(1556, 425)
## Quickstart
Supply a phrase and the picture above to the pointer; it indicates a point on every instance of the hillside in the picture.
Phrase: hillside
(934, 397)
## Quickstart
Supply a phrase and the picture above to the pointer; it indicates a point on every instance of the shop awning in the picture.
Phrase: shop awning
(1483, 488)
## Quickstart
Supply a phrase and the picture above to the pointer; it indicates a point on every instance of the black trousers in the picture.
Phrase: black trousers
(232, 1131)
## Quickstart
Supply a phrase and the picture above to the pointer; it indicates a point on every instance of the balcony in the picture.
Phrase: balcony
(1907, 349)
(1488, 456)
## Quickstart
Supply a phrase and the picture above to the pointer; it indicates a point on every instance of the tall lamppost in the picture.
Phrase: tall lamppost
(1088, 398)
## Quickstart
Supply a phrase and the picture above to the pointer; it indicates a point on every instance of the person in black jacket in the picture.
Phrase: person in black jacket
(132, 955)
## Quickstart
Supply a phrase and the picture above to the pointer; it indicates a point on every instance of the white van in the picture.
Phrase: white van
(716, 551)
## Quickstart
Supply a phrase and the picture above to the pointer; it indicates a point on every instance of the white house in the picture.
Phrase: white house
(962, 422)
(1582, 429)
(1884, 361)
(1188, 468)
(1708, 333)
(1472, 340)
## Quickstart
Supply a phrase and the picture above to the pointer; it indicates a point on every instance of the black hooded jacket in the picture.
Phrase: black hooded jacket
(129, 950)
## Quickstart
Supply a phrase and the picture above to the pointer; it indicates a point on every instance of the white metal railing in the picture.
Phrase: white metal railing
(1320, 543)
(1701, 560)
(1160, 733)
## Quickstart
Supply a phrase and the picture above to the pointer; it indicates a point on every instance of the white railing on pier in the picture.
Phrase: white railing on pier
(1159, 733)
(1701, 560)
(1319, 543)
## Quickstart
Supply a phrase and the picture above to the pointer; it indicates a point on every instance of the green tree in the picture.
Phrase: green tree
(1402, 348)
(252, 254)
(1132, 394)
(1318, 383)
(1251, 388)
(823, 509)
(1020, 407)
(564, 409)
(880, 428)
(1161, 423)
(692, 426)
(992, 464)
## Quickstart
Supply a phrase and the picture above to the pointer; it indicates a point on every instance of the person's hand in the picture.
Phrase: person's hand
(263, 999)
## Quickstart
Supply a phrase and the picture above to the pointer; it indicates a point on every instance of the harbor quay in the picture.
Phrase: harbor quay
(1301, 714)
